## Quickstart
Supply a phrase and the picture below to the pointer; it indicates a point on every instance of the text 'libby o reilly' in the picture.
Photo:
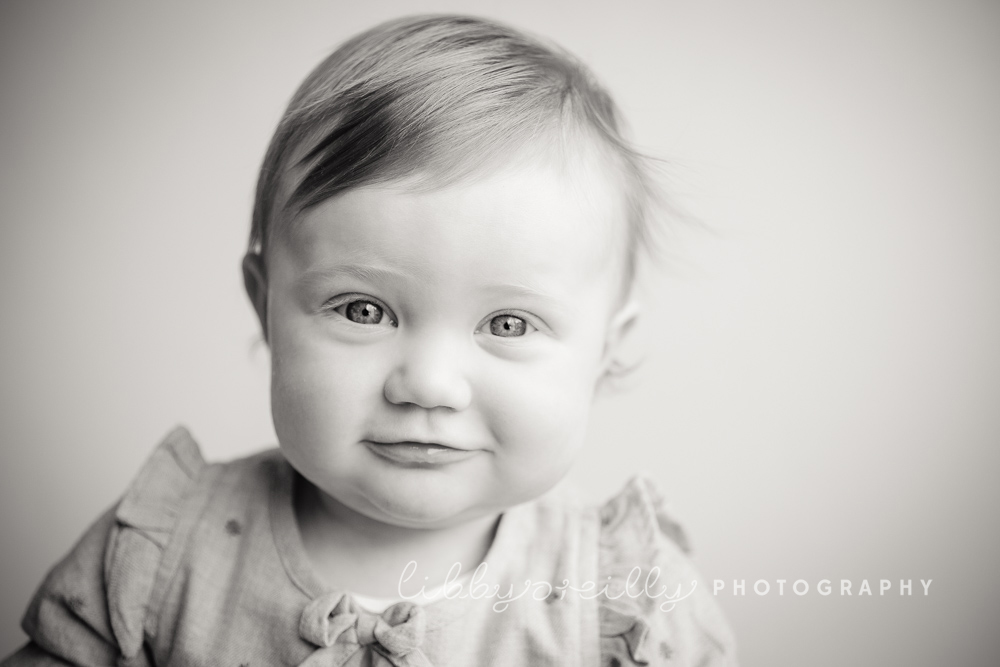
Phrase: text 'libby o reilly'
(475, 588)
(823, 587)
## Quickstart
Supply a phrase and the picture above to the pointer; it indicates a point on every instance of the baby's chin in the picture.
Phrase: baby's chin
(427, 504)
(430, 498)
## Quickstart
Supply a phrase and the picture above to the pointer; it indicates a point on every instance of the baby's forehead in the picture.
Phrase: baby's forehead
(522, 220)
(566, 196)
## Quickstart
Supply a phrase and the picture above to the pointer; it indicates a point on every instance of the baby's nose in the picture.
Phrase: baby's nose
(430, 374)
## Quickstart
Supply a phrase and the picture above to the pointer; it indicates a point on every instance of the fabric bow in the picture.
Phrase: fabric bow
(632, 629)
(347, 634)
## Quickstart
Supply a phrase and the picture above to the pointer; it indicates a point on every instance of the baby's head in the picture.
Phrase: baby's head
(444, 240)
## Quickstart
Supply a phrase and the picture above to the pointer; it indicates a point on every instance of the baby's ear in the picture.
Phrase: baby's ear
(619, 327)
(255, 282)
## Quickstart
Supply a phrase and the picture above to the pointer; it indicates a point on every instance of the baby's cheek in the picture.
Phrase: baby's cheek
(540, 420)
(313, 393)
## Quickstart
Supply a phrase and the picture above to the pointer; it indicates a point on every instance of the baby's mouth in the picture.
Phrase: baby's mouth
(418, 454)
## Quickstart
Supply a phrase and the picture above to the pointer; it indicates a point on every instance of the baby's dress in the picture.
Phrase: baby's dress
(203, 565)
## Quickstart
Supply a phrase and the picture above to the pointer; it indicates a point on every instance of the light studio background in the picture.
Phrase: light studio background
(820, 394)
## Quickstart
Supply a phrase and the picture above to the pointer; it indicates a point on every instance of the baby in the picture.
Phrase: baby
(443, 247)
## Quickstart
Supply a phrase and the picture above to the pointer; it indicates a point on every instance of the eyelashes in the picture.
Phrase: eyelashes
(363, 310)
(367, 311)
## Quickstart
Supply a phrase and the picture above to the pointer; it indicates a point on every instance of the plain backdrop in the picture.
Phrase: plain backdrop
(819, 394)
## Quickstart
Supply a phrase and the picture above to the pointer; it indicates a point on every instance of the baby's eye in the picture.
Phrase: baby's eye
(508, 326)
(364, 311)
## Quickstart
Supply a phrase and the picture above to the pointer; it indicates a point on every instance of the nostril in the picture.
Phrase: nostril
(428, 389)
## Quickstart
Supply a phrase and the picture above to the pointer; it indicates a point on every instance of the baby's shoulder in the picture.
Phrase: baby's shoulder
(176, 491)
(657, 607)
(97, 602)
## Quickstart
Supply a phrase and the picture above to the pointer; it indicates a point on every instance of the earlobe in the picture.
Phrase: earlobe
(255, 282)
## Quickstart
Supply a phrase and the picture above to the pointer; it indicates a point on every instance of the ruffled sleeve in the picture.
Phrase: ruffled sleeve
(92, 607)
(658, 610)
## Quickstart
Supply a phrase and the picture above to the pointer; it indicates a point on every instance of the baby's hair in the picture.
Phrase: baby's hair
(438, 97)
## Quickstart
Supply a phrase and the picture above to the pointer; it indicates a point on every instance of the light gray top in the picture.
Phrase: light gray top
(202, 564)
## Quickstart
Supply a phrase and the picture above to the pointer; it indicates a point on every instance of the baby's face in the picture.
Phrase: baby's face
(435, 353)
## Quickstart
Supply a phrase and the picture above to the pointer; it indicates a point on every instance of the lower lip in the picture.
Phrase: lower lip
(418, 454)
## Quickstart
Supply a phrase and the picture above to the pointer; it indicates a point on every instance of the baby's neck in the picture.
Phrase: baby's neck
(352, 552)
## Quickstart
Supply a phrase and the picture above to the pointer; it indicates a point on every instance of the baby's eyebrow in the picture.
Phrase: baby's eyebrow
(550, 301)
(364, 272)
(319, 277)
